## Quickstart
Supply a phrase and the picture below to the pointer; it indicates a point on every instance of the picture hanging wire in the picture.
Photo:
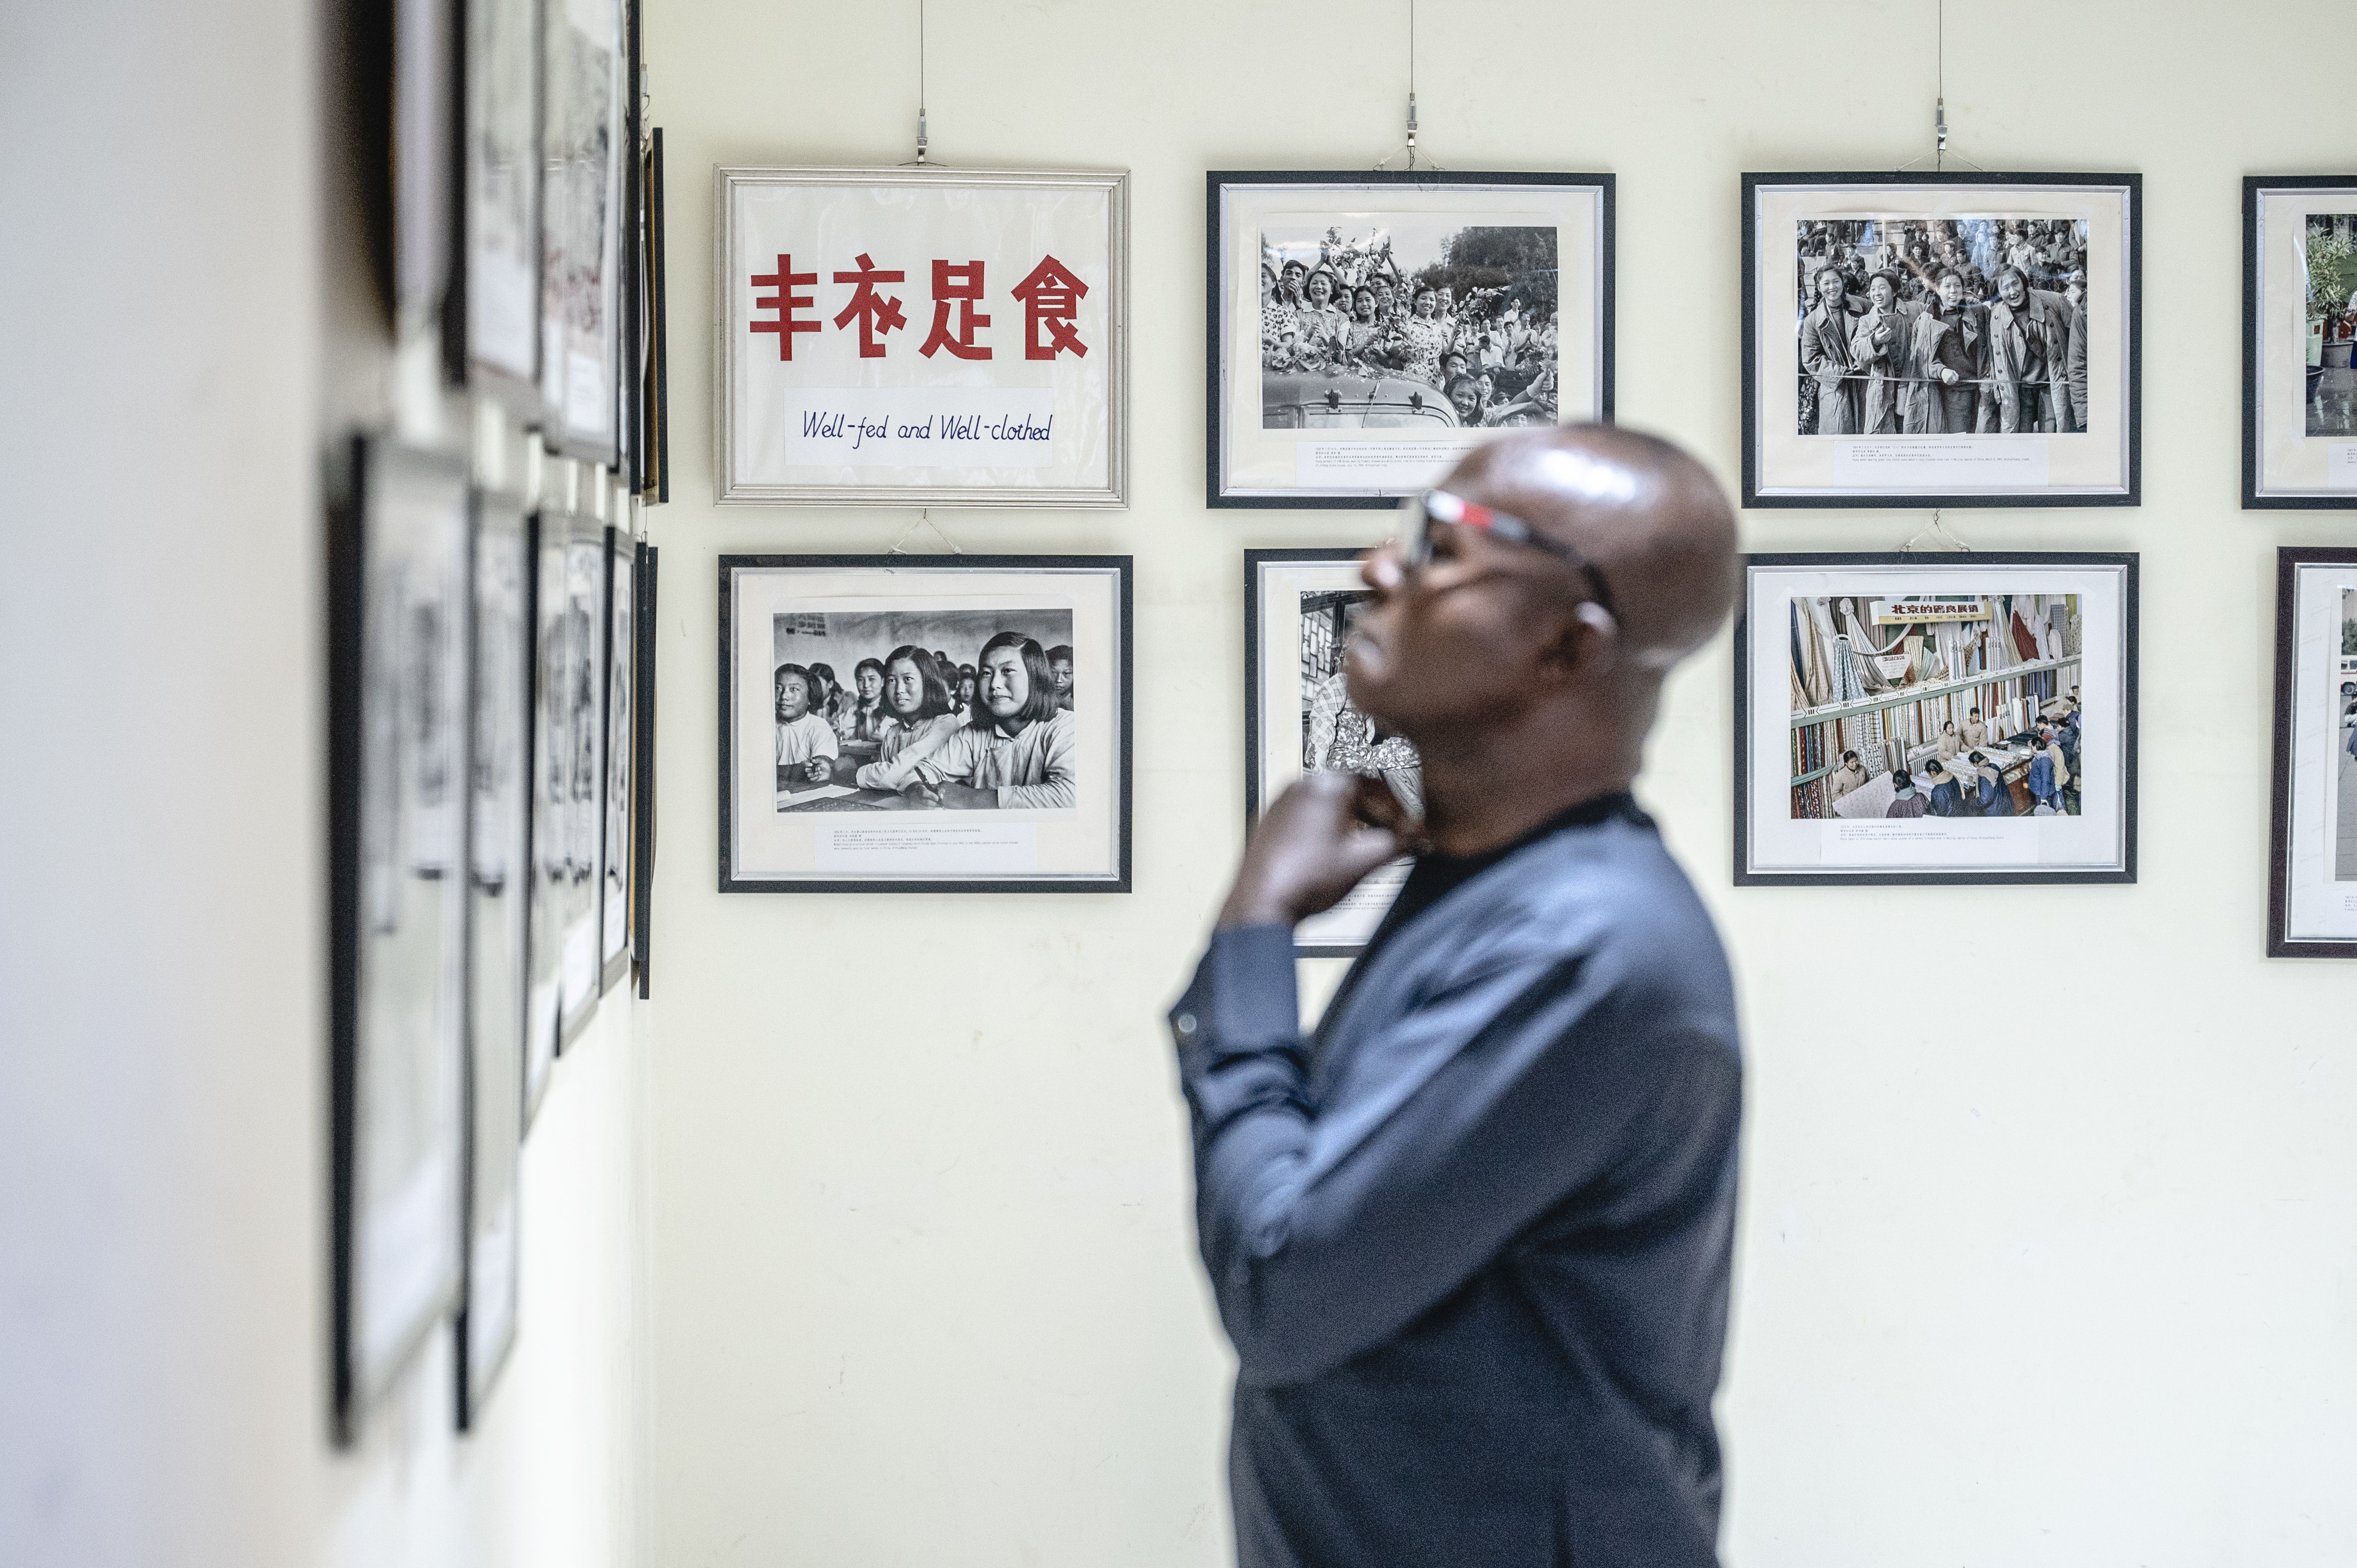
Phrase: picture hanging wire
(1939, 95)
(1933, 539)
(1428, 163)
(923, 142)
(924, 519)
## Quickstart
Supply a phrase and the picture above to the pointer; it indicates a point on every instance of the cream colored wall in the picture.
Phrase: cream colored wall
(188, 325)
(2068, 1281)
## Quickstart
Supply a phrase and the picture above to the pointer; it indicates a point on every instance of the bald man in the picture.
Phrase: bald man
(1472, 1237)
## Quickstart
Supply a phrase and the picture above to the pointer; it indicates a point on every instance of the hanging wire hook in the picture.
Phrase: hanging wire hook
(1939, 537)
(922, 141)
(1412, 157)
(924, 519)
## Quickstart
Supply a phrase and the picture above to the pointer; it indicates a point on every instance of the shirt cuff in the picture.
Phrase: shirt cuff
(1244, 997)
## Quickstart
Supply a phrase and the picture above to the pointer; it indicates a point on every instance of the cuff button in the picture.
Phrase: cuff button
(1185, 1025)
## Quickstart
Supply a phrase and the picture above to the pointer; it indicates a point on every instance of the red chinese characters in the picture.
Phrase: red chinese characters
(1051, 297)
(876, 315)
(785, 302)
(960, 286)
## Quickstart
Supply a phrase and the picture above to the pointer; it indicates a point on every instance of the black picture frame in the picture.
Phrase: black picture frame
(499, 42)
(1218, 182)
(551, 723)
(1121, 567)
(630, 304)
(2257, 495)
(499, 881)
(399, 720)
(2130, 494)
(654, 400)
(2289, 560)
(1343, 933)
(642, 824)
(1966, 562)
(619, 756)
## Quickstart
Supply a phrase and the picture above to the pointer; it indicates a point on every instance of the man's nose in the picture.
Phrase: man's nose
(1380, 568)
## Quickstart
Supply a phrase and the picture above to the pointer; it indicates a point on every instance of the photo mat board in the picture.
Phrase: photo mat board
(2018, 384)
(622, 755)
(1314, 405)
(2312, 869)
(2300, 328)
(498, 890)
(551, 797)
(1859, 767)
(399, 768)
(855, 757)
(583, 765)
(495, 342)
(583, 195)
(922, 337)
(1298, 609)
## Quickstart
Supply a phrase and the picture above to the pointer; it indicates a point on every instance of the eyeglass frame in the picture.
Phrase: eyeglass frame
(1419, 512)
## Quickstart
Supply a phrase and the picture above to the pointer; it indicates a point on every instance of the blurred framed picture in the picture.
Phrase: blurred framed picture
(621, 691)
(2312, 878)
(1941, 339)
(1299, 607)
(399, 701)
(1368, 329)
(583, 198)
(923, 336)
(2299, 328)
(549, 801)
(642, 781)
(1967, 718)
(498, 885)
(496, 343)
(584, 764)
(924, 724)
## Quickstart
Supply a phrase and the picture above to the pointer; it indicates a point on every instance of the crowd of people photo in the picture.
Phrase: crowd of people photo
(1942, 326)
(1476, 325)
(1966, 773)
(916, 728)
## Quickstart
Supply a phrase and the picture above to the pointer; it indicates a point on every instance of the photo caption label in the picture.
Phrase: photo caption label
(918, 427)
(928, 849)
(1942, 464)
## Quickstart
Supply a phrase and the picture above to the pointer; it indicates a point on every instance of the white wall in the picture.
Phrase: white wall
(2075, 1288)
(187, 320)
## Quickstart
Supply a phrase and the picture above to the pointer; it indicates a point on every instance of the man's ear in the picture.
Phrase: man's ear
(1588, 641)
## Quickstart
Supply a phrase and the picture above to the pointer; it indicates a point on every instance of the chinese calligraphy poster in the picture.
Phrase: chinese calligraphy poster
(922, 336)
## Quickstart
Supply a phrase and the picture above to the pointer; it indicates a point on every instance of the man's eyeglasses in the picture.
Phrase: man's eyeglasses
(1419, 512)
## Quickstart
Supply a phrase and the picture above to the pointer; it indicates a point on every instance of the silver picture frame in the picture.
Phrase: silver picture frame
(916, 193)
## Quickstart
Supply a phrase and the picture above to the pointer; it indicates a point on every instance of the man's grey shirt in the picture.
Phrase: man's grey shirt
(1472, 1241)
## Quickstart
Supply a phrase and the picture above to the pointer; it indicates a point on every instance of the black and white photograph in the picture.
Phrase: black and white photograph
(2312, 878)
(1300, 608)
(1959, 326)
(500, 278)
(947, 710)
(1940, 339)
(551, 804)
(1961, 718)
(402, 703)
(966, 718)
(584, 696)
(498, 885)
(1410, 321)
(582, 200)
(2299, 330)
(1368, 329)
(621, 752)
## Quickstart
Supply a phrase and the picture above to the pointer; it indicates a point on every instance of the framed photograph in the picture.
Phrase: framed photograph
(495, 339)
(614, 857)
(654, 358)
(399, 766)
(925, 723)
(585, 765)
(924, 337)
(1959, 718)
(1941, 339)
(642, 793)
(499, 882)
(551, 798)
(2299, 325)
(1299, 607)
(1368, 329)
(2312, 874)
(583, 128)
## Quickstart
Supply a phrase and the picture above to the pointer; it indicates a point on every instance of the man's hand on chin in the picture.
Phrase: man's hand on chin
(1323, 835)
